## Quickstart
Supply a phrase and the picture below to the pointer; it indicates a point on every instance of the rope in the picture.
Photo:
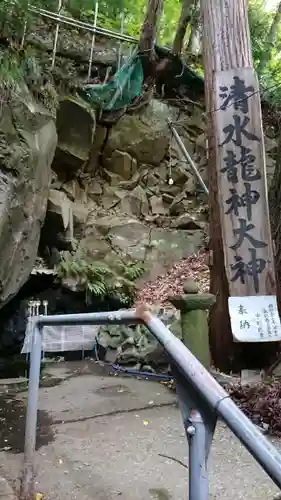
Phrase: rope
(137, 373)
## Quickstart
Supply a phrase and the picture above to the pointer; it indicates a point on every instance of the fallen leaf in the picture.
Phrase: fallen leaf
(171, 283)
(145, 422)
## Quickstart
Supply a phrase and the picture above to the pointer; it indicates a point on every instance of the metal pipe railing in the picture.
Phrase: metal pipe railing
(56, 36)
(201, 400)
(60, 18)
(218, 399)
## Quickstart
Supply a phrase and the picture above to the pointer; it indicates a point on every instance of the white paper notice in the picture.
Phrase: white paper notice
(63, 338)
(254, 319)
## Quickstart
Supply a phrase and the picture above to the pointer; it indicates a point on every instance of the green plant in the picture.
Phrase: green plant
(260, 22)
(13, 14)
(98, 279)
(11, 74)
(17, 69)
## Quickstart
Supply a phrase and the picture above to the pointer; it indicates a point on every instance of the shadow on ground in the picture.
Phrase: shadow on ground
(12, 425)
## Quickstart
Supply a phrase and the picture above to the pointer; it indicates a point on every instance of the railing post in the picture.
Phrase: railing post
(27, 480)
(197, 434)
(194, 324)
(199, 423)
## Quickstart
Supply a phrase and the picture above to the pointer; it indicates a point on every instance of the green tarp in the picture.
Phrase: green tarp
(120, 91)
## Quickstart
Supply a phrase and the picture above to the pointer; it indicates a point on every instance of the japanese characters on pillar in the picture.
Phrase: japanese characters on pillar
(244, 207)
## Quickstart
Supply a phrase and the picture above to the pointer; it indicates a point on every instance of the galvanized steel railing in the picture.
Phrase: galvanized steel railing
(201, 399)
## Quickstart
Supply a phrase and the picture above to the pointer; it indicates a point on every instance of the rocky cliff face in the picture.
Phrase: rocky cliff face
(27, 146)
(111, 193)
(125, 190)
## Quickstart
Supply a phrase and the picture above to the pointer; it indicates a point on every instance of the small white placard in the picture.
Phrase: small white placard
(255, 319)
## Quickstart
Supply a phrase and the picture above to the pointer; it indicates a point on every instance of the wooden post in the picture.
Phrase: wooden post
(194, 324)
(241, 256)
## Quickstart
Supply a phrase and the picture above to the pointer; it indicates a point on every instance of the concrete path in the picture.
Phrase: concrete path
(102, 437)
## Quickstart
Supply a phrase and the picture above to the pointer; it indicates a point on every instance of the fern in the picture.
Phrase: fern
(133, 271)
(100, 280)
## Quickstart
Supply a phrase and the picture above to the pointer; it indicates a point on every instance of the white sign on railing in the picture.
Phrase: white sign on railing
(63, 338)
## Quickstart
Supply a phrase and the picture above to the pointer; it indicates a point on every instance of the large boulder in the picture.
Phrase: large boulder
(109, 235)
(98, 143)
(27, 145)
(145, 136)
(76, 125)
(119, 235)
(122, 164)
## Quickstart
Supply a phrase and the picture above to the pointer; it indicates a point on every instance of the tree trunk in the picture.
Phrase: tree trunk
(148, 38)
(193, 46)
(150, 28)
(275, 219)
(271, 39)
(195, 32)
(223, 50)
(185, 18)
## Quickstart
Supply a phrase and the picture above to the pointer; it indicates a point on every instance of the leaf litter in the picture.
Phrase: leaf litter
(261, 403)
(171, 283)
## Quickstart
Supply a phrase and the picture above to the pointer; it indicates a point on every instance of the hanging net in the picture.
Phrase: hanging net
(120, 91)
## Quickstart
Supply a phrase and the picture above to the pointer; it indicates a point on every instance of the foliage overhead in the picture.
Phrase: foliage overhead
(260, 22)
(14, 15)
